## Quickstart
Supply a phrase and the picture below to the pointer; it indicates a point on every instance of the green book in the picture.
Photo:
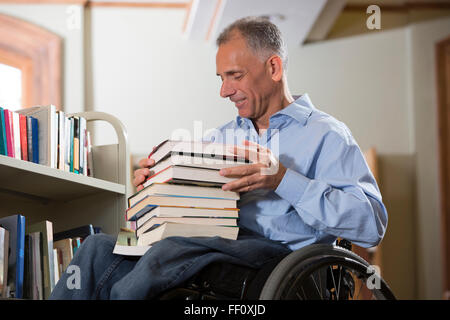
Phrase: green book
(3, 150)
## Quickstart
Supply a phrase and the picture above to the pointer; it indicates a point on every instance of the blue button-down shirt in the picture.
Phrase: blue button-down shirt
(328, 190)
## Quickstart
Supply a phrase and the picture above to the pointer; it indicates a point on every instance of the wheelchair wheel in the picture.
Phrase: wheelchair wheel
(324, 272)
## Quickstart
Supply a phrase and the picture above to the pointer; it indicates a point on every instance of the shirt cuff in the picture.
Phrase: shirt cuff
(292, 186)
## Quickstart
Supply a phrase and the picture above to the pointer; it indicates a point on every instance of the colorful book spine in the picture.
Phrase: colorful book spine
(35, 139)
(23, 137)
(9, 133)
(16, 130)
(3, 146)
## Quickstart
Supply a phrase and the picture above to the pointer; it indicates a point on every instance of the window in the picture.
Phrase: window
(10, 87)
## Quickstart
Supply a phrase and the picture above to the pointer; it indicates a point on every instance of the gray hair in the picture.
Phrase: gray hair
(262, 37)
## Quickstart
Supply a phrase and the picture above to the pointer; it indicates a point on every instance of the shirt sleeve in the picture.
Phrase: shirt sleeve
(340, 197)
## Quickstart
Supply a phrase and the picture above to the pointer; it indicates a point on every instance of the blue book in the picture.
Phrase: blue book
(16, 261)
(3, 145)
(35, 139)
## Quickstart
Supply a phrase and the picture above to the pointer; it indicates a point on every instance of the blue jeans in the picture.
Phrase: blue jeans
(167, 264)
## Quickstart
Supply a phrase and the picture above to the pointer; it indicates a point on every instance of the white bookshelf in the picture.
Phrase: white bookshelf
(67, 199)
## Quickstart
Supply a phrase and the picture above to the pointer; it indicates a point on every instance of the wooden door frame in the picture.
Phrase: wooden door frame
(443, 118)
(38, 54)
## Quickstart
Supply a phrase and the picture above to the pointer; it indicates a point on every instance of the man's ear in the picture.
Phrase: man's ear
(275, 66)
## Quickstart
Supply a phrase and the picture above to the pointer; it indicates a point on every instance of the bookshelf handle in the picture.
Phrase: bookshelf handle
(122, 137)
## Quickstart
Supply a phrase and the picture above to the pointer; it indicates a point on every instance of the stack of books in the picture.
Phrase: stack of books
(182, 197)
(46, 136)
(33, 257)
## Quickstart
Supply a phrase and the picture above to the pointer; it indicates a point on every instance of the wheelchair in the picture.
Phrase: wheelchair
(315, 272)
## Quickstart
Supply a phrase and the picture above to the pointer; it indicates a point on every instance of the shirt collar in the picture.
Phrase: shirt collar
(299, 110)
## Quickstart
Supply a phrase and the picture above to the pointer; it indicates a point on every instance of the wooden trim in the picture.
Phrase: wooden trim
(188, 12)
(157, 5)
(37, 52)
(436, 5)
(443, 117)
(81, 2)
(213, 19)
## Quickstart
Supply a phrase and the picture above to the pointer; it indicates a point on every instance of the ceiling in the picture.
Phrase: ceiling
(297, 19)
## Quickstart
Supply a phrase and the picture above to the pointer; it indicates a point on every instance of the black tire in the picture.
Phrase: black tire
(304, 265)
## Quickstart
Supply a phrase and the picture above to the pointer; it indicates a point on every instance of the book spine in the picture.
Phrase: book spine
(16, 130)
(71, 142)
(82, 144)
(20, 256)
(29, 138)
(35, 134)
(23, 137)
(9, 133)
(3, 146)
(76, 145)
(67, 144)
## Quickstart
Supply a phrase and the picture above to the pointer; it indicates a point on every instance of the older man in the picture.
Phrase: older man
(318, 186)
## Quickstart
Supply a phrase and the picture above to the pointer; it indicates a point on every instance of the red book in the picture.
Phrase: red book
(9, 133)
(23, 136)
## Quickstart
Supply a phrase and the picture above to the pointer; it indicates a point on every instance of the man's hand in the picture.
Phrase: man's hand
(266, 172)
(140, 175)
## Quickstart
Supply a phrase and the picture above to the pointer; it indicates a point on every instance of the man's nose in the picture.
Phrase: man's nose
(226, 90)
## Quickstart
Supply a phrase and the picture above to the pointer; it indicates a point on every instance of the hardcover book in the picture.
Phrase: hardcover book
(15, 224)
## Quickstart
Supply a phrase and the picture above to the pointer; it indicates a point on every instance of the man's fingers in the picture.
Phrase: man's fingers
(240, 171)
(146, 162)
(243, 182)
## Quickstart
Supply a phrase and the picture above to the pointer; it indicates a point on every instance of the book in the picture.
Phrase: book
(15, 224)
(71, 140)
(188, 175)
(170, 211)
(82, 142)
(16, 131)
(181, 190)
(4, 252)
(169, 229)
(126, 244)
(78, 232)
(9, 133)
(23, 137)
(158, 220)
(196, 162)
(66, 249)
(211, 150)
(37, 277)
(47, 132)
(48, 264)
(33, 139)
(180, 201)
(3, 146)
(76, 144)
(61, 141)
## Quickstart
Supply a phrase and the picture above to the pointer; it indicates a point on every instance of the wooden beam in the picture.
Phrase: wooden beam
(407, 6)
(165, 5)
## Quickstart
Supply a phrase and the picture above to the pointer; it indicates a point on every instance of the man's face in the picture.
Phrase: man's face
(246, 81)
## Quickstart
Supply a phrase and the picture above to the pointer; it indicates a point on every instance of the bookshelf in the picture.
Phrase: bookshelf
(67, 199)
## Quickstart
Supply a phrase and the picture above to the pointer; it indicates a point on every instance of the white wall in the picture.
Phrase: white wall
(148, 75)
(60, 19)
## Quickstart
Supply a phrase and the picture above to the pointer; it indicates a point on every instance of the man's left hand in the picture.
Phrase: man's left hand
(266, 172)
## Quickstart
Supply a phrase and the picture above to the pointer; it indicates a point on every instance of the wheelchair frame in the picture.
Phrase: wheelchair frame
(315, 272)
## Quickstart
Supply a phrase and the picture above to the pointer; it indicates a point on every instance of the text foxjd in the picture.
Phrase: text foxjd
(232, 309)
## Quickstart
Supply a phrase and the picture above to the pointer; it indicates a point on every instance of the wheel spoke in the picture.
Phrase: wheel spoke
(315, 284)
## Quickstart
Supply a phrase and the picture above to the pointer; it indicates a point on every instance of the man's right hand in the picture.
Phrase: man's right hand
(141, 174)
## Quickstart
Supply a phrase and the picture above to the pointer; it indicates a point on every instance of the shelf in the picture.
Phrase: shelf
(44, 183)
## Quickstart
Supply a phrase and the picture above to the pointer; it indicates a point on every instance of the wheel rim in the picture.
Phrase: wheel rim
(333, 278)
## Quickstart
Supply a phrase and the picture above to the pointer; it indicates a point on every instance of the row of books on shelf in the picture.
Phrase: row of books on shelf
(183, 197)
(33, 257)
(46, 136)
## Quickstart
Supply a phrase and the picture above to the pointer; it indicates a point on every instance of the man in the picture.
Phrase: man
(316, 188)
